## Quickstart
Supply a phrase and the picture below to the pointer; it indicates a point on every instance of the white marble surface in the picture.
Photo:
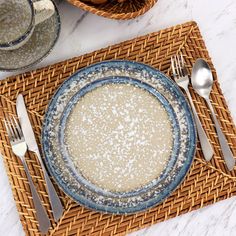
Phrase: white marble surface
(82, 32)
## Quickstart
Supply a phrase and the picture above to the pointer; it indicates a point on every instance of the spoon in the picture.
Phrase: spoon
(202, 81)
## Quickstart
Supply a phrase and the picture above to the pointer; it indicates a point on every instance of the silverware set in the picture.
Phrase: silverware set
(22, 138)
(202, 81)
(19, 148)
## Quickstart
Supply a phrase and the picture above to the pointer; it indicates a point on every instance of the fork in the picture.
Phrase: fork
(19, 148)
(181, 78)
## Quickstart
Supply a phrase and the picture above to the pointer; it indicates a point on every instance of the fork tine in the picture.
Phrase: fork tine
(173, 66)
(184, 68)
(179, 65)
(17, 128)
(9, 129)
(176, 65)
(182, 59)
(13, 128)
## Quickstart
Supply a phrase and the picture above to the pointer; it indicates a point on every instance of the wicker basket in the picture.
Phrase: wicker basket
(122, 11)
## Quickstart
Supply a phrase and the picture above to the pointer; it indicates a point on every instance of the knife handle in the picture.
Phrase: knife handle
(57, 208)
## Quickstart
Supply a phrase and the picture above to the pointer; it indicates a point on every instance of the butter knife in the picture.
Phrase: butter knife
(57, 208)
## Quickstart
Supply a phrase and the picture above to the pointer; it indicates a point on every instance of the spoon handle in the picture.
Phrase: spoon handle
(205, 144)
(227, 153)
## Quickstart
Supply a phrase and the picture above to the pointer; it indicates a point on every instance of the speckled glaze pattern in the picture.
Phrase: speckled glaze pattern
(122, 203)
(40, 44)
(16, 21)
(120, 80)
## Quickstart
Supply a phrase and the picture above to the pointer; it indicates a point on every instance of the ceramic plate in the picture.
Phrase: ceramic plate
(61, 166)
(40, 44)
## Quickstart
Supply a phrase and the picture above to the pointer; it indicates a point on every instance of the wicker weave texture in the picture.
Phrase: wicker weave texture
(113, 9)
(205, 184)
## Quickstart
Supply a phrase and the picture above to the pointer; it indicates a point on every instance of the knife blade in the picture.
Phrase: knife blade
(26, 124)
(57, 208)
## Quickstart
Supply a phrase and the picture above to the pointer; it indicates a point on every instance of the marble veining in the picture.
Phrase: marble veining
(82, 32)
(78, 22)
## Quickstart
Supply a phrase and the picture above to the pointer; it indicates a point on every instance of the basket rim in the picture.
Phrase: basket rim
(117, 16)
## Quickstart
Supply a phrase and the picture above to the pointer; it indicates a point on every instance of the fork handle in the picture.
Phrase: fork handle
(205, 144)
(41, 214)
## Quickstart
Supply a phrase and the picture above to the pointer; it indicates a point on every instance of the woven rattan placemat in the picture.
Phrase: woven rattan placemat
(205, 184)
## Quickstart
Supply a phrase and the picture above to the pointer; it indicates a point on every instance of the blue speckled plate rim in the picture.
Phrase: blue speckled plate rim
(127, 80)
(181, 174)
(58, 25)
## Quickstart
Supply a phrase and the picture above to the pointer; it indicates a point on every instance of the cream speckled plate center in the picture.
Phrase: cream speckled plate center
(119, 137)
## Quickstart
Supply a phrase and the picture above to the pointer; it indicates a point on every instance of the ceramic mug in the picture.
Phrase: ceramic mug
(18, 19)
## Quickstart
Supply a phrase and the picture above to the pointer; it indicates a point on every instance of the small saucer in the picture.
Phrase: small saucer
(40, 44)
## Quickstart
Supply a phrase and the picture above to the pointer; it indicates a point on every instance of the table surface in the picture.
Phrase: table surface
(217, 22)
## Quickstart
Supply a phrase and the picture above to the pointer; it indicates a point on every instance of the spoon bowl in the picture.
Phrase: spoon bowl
(202, 78)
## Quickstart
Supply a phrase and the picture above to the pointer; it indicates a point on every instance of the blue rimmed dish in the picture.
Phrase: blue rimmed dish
(58, 160)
